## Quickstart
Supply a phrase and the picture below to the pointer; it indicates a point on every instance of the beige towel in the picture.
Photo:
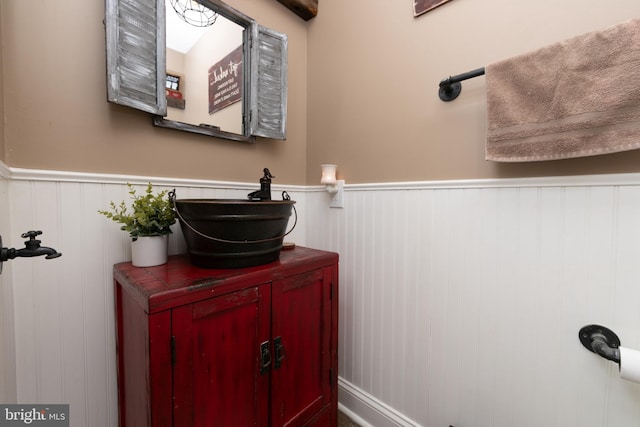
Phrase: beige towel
(579, 97)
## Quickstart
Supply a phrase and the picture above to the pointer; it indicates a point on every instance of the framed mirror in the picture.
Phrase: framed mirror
(143, 74)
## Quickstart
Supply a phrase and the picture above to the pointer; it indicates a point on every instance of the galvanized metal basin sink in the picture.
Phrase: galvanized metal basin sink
(234, 233)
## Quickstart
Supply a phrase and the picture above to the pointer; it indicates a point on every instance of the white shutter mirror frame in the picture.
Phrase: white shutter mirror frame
(136, 68)
(268, 94)
(135, 34)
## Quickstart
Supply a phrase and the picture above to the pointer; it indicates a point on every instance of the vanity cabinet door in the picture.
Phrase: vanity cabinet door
(217, 375)
(301, 386)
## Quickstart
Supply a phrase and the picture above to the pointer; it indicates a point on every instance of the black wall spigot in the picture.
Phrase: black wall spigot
(265, 187)
(32, 248)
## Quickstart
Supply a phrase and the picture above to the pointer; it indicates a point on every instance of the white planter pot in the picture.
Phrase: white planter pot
(148, 251)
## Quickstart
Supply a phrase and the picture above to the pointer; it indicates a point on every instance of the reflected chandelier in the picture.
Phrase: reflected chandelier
(194, 13)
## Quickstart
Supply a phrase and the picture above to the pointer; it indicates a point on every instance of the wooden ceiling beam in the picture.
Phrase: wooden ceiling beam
(305, 9)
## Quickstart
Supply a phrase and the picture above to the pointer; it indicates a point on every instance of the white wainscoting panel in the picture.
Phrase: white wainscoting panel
(7, 350)
(461, 302)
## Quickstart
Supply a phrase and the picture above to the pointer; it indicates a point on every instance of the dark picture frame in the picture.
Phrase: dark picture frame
(424, 6)
(225, 81)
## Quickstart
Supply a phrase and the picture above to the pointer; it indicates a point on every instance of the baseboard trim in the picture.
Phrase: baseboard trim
(367, 410)
(353, 416)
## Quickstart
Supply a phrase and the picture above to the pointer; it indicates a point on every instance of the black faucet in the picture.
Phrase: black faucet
(265, 187)
(32, 248)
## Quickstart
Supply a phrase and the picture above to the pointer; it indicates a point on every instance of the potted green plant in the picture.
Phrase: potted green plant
(148, 222)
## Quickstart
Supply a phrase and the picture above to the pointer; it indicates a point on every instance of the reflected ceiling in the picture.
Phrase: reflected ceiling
(180, 35)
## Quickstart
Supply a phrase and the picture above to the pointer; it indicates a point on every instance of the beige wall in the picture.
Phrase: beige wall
(1, 92)
(363, 82)
(211, 48)
(374, 71)
(175, 65)
(54, 82)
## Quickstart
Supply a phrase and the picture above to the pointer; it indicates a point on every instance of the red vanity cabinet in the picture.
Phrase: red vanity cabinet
(237, 347)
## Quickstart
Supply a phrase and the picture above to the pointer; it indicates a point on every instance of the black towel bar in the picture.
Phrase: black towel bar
(450, 88)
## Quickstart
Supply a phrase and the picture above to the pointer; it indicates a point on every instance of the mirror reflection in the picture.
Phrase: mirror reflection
(204, 72)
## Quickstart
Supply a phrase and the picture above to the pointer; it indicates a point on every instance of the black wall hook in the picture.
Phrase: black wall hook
(601, 340)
